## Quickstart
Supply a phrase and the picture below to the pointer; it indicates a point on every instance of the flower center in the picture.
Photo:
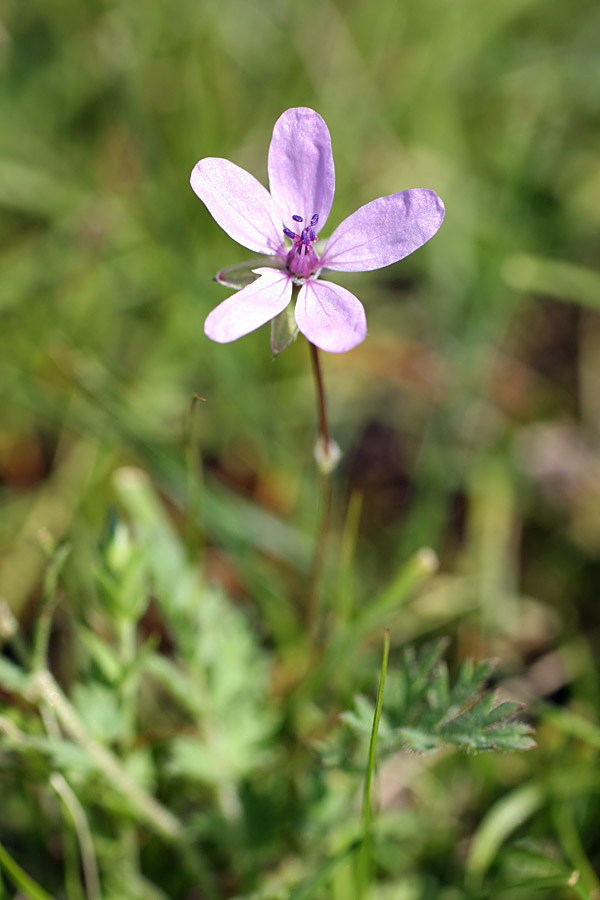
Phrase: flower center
(302, 260)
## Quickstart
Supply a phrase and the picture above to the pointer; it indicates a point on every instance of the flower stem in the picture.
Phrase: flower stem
(323, 426)
(314, 604)
(326, 455)
(20, 878)
(364, 856)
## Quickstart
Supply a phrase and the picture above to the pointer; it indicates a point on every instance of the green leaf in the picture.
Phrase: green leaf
(99, 709)
(62, 754)
(222, 674)
(102, 654)
(504, 817)
(21, 879)
(526, 866)
(424, 711)
(12, 678)
(554, 278)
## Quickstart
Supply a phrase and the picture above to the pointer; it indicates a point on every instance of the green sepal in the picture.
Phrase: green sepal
(283, 330)
(242, 274)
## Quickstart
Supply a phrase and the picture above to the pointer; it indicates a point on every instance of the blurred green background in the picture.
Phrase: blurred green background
(469, 418)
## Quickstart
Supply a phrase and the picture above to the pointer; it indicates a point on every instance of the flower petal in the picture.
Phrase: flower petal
(249, 308)
(239, 204)
(301, 171)
(384, 231)
(330, 316)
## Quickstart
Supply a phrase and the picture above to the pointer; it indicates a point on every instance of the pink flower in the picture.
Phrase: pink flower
(302, 181)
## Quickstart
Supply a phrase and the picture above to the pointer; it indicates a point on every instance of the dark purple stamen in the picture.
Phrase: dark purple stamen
(307, 235)
(301, 259)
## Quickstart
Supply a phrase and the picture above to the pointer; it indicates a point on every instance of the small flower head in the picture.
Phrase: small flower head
(302, 184)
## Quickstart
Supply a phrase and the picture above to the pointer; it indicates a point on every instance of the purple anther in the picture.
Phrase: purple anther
(314, 220)
(290, 234)
(311, 233)
(297, 218)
